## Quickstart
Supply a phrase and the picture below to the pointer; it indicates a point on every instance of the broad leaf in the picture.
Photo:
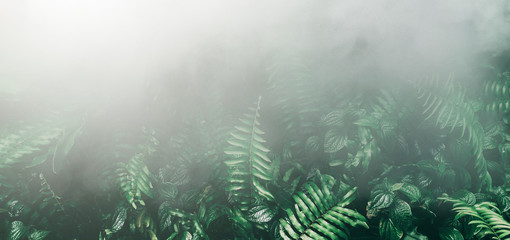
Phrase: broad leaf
(401, 215)
(411, 191)
(334, 140)
(450, 233)
(388, 231)
(261, 213)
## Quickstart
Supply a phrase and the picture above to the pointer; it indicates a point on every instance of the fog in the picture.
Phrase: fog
(95, 50)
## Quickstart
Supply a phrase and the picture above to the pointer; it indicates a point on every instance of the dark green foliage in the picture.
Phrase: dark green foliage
(314, 160)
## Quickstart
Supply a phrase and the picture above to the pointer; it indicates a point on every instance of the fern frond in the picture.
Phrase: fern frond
(296, 95)
(447, 102)
(319, 215)
(34, 144)
(17, 146)
(485, 216)
(133, 179)
(133, 176)
(248, 165)
(184, 222)
(497, 94)
(500, 105)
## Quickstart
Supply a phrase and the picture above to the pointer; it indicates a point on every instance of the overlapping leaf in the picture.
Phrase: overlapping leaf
(248, 164)
(485, 216)
(133, 179)
(446, 102)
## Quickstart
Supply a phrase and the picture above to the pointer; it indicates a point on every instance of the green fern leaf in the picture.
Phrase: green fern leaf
(497, 94)
(297, 96)
(38, 235)
(485, 216)
(133, 179)
(318, 214)
(17, 146)
(18, 230)
(446, 101)
(248, 164)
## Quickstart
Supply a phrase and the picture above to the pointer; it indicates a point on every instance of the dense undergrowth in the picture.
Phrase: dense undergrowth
(308, 159)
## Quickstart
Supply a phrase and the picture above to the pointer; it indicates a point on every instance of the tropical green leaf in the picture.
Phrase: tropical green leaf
(446, 102)
(261, 213)
(411, 191)
(401, 215)
(382, 200)
(119, 217)
(134, 178)
(450, 233)
(248, 165)
(318, 213)
(38, 235)
(485, 216)
(334, 140)
(17, 230)
(312, 144)
(388, 230)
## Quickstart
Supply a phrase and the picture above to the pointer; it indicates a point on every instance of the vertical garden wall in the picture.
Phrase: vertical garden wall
(334, 120)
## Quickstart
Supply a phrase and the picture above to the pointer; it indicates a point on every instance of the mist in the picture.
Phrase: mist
(129, 114)
(69, 51)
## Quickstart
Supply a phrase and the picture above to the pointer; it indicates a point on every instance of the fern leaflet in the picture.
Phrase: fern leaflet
(248, 165)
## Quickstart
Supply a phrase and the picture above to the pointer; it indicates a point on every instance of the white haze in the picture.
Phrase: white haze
(71, 50)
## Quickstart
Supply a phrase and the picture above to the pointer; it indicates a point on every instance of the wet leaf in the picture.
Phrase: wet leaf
(119, 217)
(168, 191)
(401, 215)
(17, 230)
(388, 231)
(334, 140)
(450, 233)
(466, 196)
(411, 191)
(312, 144)
(382, 200)
(38, 235)
(261, 213)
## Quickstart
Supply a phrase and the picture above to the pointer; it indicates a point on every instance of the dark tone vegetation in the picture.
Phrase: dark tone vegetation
(311, 158)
